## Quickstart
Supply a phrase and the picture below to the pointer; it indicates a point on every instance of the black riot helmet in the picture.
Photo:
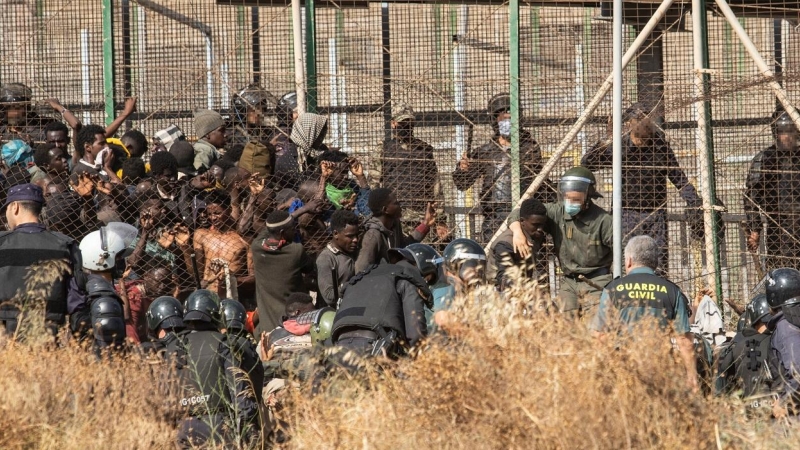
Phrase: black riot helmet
(233, 315)
(15, 93)
(427, 259)
(499, 103)
(465, 258)
(255, 97)
(285, 108)
(202, 306)
(783, 123)
(783, 287)
(758, 311)
(164, 313)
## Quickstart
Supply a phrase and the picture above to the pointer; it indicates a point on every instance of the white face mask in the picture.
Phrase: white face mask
(504, 127)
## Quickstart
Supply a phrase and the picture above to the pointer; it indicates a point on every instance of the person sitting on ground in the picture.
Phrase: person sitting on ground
(281, 266)
(336, 262)
(384, 230)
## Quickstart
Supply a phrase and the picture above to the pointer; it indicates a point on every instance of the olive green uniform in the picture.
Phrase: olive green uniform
(583, 244)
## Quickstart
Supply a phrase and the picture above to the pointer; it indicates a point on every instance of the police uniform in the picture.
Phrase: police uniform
(642, 294)
(785, 354)
(583, 245)
(493, 164)
(744, 363)
(772, 196)
(32, 243)
(644, 191)
(384, 306)
(209, 390)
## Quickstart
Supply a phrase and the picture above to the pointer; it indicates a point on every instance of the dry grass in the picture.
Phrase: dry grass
(505, 380)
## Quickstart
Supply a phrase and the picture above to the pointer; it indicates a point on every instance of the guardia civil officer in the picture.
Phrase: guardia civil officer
(744, 363)
(772, 197)
(234, 315)
(582, 239)
(783, 296)
(28, 242)
(642, 294)
(215, 403)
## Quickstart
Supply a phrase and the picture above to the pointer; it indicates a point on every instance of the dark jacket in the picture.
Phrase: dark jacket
(785, 354)
(644, 170)
(378, 240)
(409, 169)
(330, 259)
(492, 163)
(280, 269)
(504, 257)
(773, 188)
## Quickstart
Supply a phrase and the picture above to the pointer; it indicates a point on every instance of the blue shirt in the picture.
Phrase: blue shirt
(633, 314)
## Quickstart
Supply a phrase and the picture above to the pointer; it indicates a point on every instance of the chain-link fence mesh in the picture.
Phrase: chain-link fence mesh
(377, 65)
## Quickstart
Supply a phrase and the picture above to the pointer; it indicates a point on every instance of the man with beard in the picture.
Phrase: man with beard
(772, 197)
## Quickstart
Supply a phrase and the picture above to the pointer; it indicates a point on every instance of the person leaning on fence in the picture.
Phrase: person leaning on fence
(642, 294)
(384, 231)
(336, 262)
(533, 221)
(648, 161)
(210, 129)
(18, 120)
(287, 167)
(582, 235)
(492, 163)
(27, 243)
(308, 134)
(407, 164)
(772, 197)
(251, 105)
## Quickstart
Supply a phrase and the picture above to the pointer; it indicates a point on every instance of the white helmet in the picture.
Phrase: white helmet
(100, 248)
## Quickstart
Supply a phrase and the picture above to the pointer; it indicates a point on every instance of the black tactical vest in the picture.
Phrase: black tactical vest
(200, 371)
(244, 349)
(751, 355)
(644, 290)
(18, 251)
(370, 300)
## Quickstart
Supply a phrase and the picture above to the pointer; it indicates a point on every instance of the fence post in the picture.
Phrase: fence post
(297, 47)
(311, 56)
(616, 172)
(705, 144)
(516, 117)
(108, 61)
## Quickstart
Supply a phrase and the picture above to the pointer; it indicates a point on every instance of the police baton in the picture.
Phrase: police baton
(590, 282)
(335, 281)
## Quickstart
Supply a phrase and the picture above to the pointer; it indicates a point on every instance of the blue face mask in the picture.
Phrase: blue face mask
(571, 208)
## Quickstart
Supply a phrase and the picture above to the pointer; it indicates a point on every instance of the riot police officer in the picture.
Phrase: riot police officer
(164, 322)
(107, 314)
(234, 317)
(17, 118)
(287, 167)
(29, 243)
(743, 363)
(772, 197)
(382, 310)
(783, 297)
(492, 163)
(251, 106)
(209, 391)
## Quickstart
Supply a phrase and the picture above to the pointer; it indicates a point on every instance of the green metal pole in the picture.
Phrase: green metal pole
(108, 60)
(709, 143)
(513, 47)
(311, 56)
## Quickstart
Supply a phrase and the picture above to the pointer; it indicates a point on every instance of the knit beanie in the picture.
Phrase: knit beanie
(206, 121)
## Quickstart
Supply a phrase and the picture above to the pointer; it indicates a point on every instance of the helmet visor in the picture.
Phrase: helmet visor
(574, 184)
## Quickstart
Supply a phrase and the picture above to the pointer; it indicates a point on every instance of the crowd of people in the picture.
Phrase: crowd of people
(256, 244)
